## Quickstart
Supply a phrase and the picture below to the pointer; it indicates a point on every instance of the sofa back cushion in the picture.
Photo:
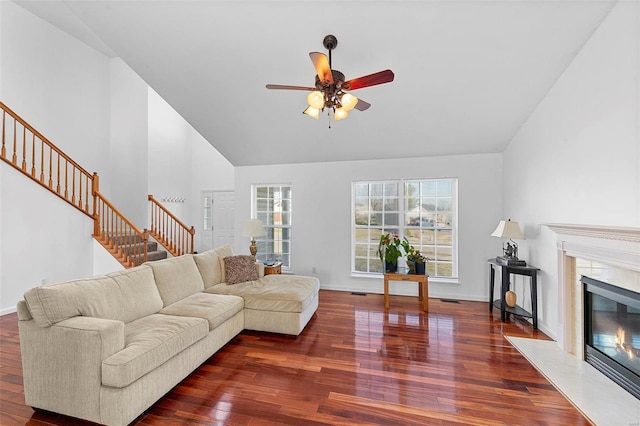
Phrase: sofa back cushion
(124, 296)
(223, 251)
(138, 293)
(176, 278)
(209, 266)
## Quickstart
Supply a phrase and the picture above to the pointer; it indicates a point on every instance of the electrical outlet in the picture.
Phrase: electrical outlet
(43, 281)
(314, 270)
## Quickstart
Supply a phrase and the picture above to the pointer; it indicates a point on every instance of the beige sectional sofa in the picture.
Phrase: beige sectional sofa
(106, 348)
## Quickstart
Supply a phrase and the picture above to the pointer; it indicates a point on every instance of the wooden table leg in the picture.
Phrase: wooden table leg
(420, 292)
(386, 292)
(425, 301)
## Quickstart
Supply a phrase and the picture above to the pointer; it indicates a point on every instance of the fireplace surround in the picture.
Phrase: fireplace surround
(617, 252)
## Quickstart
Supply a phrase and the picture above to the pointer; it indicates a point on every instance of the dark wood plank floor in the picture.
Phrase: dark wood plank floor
(354, 364)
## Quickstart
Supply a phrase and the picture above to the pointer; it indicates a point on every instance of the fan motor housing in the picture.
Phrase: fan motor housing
(338, 81)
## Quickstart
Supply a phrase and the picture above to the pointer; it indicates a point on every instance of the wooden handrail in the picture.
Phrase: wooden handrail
(114, 231)
(35, 156)
(170, 231)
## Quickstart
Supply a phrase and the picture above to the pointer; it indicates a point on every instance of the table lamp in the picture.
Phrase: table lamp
(253, 228)
(510, 230)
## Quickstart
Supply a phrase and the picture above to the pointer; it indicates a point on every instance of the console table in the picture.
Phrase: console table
(506, 271)
(421, 279)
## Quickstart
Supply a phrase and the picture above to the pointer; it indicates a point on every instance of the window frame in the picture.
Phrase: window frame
(403, 209)
(257, 213)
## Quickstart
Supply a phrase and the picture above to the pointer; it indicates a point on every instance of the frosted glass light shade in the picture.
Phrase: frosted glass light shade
(508, 229)
(316, 100)
(348, 102)
(340, 114)
(312, 112)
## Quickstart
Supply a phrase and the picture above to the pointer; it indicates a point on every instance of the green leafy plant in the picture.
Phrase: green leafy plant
(413, 254)
(390, 248)
(416, 256)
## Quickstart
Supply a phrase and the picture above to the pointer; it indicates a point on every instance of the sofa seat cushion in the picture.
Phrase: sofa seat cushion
(280, 293)
(215, 308)
(150, 342)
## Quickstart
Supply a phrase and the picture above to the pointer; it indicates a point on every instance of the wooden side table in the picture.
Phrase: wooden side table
(506, 271)
(273, 269)
(423, 286)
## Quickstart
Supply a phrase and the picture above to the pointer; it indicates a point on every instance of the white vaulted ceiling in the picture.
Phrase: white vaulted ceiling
(467, 73)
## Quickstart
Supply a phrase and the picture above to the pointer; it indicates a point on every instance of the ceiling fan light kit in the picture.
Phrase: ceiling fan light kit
(330, 91)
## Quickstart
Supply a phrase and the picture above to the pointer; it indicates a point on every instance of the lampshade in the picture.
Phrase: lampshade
(312, 112)
(253, 228)
(316, 99)
(340, 114)
(508, 229)
(348, 102)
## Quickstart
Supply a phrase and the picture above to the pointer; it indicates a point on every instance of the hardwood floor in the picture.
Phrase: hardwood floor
(354, 364)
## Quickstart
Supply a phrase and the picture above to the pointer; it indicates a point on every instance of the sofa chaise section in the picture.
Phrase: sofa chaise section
(275, 303)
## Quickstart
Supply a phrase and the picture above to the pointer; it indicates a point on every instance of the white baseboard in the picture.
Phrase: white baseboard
(7, 311)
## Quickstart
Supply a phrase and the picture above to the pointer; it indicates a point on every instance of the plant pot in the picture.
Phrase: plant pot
(390, 267)
(412, 267)
(420, 268)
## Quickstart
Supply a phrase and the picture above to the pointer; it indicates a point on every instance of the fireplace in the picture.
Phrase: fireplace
(612, 332)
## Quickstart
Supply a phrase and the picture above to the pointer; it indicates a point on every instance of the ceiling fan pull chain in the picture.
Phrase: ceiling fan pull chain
(329, 115)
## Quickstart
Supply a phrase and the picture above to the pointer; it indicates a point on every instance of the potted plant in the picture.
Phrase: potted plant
(389, 251)
(416, 261)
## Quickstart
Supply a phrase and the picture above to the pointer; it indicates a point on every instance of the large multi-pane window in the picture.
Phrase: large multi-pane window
(422, 211)
(272, 205)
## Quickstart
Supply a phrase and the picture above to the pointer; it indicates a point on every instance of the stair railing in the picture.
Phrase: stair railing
(32, 154)
(118, 235)
(169, 231)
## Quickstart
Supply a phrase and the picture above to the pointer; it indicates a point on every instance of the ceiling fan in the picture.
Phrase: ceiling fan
(331, 90)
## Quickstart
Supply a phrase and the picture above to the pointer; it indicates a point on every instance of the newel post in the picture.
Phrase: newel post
(145, 236)
(192, 231)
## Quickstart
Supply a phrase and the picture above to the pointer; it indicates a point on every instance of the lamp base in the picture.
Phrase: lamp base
(510, 261)
(253, 248)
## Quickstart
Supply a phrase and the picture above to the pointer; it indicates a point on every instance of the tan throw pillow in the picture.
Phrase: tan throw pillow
(240, 268)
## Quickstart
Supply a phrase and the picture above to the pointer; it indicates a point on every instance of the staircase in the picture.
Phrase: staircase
(28, 151)
(134, 246)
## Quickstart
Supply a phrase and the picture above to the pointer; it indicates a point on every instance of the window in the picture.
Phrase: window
(423, 211)
(272, 205)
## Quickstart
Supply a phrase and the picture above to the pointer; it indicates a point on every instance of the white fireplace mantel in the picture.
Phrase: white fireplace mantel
(615, 246)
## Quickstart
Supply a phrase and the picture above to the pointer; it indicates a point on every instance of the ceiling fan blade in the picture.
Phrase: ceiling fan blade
(283, 87)
(362, 105)
(321, 64)
(381, 77)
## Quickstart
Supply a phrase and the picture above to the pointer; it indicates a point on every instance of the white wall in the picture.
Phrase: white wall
(44, 240)
(211, 172)
(182, 163)
(97, 110)
(321, 216)
(61, 87)
(126, 182)
(169, 155)
(577, 158)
